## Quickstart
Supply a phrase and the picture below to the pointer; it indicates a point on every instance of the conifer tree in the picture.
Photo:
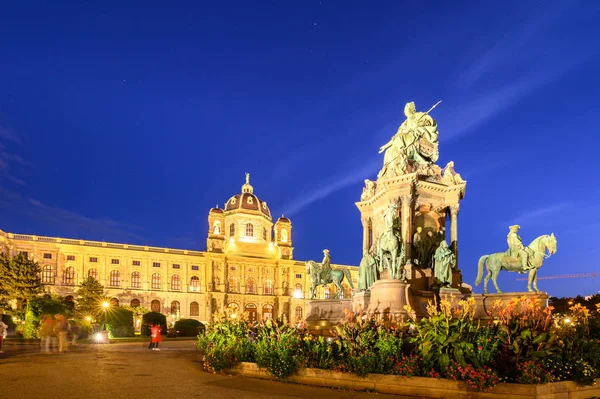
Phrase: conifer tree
(20, 278)
(89, 296)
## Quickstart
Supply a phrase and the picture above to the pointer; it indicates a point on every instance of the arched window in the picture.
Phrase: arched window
(195, 284)
(175, 308)
(175, 282)
(249, 230)
(268, 287)
(194, 309)
(47, 275)
(155, 305)
(298, 314)
(156, 281)
(284, 235)
(250, 286)
(136, 280)
(251, 311)
(114, 302)
(69, 276)
(267, 312)
(93, 273)
(217, 227)
(115, 278)
(135, 303)
(233, 286)
(233, 309)
(298, 291)
(327, 293)
(231, 230)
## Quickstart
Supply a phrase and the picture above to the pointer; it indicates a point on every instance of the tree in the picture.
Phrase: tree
(89, 294)
(20, 278)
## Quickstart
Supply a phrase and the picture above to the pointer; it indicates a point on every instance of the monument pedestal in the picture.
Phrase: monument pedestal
(324, 314)
(360, 301)
(388, 297)
(485, 301)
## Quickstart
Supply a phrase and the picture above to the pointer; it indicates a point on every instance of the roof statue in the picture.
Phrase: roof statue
(414, 146)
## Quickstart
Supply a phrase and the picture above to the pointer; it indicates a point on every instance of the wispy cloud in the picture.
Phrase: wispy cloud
(332, 185)
(538, 214)
(14, 203)
(8, 159)
(9, 134)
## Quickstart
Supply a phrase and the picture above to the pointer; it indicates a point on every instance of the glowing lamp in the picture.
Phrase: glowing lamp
(105, 305)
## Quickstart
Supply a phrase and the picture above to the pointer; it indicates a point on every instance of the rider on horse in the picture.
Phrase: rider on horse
(516, 249)
(325, 272)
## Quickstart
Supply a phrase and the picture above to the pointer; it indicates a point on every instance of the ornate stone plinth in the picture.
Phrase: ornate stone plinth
(485, 301)
(388, 297)
(324, 314)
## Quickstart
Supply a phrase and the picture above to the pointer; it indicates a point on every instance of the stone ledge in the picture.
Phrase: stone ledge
(422, 387)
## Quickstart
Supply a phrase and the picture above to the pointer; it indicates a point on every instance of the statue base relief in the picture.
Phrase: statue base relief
(360, 301)
(325, 314)
(388, 297)
(485, 301)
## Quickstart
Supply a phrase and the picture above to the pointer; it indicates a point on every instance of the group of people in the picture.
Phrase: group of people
(56, 332)
(155, 336)
(425, 245)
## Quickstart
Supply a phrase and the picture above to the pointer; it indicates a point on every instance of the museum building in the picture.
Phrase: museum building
(248, 266)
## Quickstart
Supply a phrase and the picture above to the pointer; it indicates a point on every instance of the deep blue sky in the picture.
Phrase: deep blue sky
(128, 123)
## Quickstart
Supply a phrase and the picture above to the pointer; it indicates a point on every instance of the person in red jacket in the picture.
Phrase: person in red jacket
(156, 337)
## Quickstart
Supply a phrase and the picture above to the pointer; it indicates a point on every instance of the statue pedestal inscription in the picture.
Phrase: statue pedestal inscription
(388, 297)
(324, 314)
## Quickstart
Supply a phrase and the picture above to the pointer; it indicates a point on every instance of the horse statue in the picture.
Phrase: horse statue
(500, 261)
(389, 242)
(336, 276)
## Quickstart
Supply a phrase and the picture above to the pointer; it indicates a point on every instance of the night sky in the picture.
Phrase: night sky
(128, 123)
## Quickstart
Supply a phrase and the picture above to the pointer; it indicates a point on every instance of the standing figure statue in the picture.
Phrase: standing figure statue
(388, 243)
(535, 252)
(444, 262)
(323, 274)
(416, 141)
(428, 250)
(418, 246)
(367, 271)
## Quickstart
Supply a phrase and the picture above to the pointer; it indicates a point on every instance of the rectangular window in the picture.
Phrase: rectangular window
(136, 262)
(195, 268)
(114, 261)
(47, 256)
(70, 257)
(155, 264)
(176, 266)
(94, 260)
(298, 276)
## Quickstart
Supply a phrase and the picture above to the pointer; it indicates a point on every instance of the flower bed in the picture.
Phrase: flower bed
(529, 346)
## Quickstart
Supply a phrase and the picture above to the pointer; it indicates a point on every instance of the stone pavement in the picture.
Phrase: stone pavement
(132, 371)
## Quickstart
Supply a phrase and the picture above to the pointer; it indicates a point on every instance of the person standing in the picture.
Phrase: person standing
(3, 333)
(156, 337)
(62, 327)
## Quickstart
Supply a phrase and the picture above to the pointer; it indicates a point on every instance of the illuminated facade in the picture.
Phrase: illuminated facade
(248, 266)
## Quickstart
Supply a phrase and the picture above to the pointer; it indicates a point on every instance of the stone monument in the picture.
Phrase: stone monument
(404, 213)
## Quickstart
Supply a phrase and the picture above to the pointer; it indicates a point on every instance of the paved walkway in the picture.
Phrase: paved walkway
(132, 371)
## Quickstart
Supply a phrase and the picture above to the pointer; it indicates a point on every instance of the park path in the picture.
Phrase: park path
(130, 370)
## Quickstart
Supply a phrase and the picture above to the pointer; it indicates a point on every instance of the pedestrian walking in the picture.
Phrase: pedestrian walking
(47, 334)
(62, 327)
(156, 337)
(75, 333)
(3, 333)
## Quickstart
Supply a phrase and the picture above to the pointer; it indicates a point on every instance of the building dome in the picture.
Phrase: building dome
(283, 219)
(247, 202)
(216, 210)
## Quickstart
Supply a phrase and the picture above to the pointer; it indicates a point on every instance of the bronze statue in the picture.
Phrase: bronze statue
(388, 243)
(444, 261)
(367, 271)
(418, 246)
(505, 261)
(318, 276)
(516, 249)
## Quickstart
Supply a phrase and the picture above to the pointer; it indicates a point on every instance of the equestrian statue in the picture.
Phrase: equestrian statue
(390, 242)
(323, 274)
(518, 258)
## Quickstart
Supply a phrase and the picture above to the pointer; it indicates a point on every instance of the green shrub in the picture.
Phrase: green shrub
(38, 307)
(225, 343)
(279, 349)
(153, 318)
(189, 327)
(119, 322)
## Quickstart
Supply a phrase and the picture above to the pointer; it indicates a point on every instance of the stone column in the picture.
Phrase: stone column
(365, 223)
(407, 227)
(454, 230)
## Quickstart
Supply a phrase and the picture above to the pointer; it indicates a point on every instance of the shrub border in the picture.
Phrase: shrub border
(420, 386)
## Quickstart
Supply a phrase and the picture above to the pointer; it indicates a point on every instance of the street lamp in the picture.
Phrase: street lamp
(105, 306)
